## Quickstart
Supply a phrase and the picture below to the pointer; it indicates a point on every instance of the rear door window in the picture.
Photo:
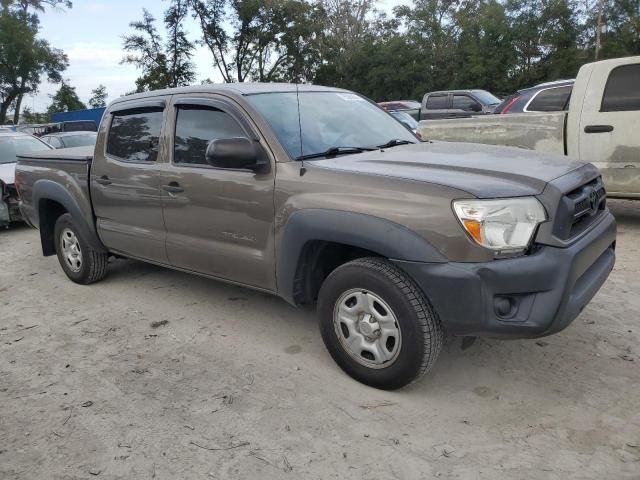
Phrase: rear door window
(134, 135)
(550, 100)
(622, 92)
(196, 127)
(437, 102)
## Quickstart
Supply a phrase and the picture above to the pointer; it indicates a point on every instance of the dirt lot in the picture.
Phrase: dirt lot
(237, 384)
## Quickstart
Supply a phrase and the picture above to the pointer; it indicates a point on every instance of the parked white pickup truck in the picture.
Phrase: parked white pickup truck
(602, 125)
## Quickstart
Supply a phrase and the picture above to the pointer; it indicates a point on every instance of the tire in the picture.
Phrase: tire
(403, 337)
(80, 262)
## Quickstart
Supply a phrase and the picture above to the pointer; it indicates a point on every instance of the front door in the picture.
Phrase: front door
(125, 182)
(608, 129)
(219, 221)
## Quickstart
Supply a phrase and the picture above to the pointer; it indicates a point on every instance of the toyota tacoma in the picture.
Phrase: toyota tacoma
(319, 196)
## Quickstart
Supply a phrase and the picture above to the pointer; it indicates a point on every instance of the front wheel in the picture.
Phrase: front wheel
(80, 262)
(377, 324)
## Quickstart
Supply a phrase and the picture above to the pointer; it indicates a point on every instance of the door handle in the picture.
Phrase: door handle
(173, 187)
(598, 128)
(103, 180)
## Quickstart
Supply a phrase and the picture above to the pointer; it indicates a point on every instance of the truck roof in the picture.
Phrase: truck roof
(472, 90)
(244, 88)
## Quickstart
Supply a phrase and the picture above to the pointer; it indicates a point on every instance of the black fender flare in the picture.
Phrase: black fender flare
(50, 190)
(360, 230)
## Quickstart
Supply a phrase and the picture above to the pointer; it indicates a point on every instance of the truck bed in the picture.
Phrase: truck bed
(81, 154)
(42, 174)
(534, 131)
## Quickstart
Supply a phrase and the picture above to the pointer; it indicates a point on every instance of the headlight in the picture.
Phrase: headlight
(505, 224)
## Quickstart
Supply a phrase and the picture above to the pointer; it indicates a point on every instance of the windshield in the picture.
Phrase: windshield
(79, 140)
(327, 120)
(486, 98)
(12, 146)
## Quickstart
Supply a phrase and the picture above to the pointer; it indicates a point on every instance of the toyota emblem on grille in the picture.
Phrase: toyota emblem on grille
(593, 201)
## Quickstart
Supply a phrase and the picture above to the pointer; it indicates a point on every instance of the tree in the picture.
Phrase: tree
(163, 64)
(483, 27)
(65, 100)
(39, 5)
(269, 40)
(31, 117)
(98, 97)
(24, 59)
(348, 32)
(21, 8)
(621, 37)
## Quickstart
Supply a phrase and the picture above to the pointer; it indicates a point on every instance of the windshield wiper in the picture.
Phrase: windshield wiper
(334, 151)
(395, 142)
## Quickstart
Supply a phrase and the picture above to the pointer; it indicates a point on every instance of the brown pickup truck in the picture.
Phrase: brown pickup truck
(320, 197)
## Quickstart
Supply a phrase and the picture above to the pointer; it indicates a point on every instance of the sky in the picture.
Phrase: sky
(91, 35)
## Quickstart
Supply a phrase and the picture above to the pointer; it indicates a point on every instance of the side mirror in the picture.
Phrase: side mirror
(237, 152)
(476, 107)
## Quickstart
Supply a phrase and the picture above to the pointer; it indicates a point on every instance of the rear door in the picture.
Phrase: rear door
(436, 105)
(609, 128)
(125, 180)
(219, 221)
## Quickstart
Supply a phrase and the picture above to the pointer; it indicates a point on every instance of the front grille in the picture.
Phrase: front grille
(580, 208)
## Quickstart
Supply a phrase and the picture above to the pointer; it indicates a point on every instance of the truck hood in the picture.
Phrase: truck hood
(484, 171)
(8, 173)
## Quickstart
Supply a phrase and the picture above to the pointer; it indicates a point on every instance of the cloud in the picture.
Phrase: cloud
(90, 64)
(94, 54)
(94, 7)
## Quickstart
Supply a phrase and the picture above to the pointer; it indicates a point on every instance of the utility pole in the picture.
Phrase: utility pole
(599, 27)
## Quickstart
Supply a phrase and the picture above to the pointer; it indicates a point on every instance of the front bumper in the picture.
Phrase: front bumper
(9, 205)
(529, 296)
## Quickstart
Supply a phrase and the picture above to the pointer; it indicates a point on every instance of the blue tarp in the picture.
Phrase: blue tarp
(94, 114)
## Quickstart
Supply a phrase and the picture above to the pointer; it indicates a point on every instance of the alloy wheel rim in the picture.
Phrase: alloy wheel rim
(367, 328)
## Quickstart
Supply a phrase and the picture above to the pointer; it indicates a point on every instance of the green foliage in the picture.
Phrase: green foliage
(98, 97)
(24, 59)
(65, 100)
(163, 64)
(31, 117)
(498, 45)
(271, 40)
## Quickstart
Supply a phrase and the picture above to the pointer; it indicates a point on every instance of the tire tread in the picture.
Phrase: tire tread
(428, 320)
(95, 261)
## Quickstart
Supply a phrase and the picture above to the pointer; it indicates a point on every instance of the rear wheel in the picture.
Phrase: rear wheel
(377, 324)
(80, 262)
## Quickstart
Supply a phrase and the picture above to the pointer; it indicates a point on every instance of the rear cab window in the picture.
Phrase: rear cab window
(437, 102)
(622, 91)
(134, 135)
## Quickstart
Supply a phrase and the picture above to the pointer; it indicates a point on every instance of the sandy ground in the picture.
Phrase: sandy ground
(238, 385)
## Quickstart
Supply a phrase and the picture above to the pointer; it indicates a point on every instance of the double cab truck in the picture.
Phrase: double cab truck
(319, 196)
(600, 126)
